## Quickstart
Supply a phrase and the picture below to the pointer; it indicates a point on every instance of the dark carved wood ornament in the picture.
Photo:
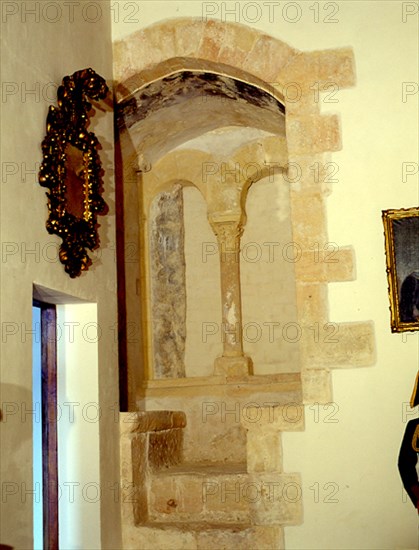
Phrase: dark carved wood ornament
(71, 170)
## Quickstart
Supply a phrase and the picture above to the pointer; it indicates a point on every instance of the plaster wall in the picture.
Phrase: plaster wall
(347, 454)
(270, 333)
(78, 432)
(38, 50)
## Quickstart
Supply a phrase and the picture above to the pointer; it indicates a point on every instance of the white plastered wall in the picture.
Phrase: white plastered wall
(78, 426)
(357, 455)
(38, 50)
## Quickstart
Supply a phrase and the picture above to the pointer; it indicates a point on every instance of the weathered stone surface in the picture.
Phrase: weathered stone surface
(154, 421)
(264, 451)
(312, 304)
(277, 499)
(287, 417)
(201, 494)
(224, 539)
(165, 447)
(313, 134)
(267, 57)
(317, 386)
(136, 493)
(268, 537)
(167, 266)
(351, 345)
(175, 89)
(326, 263)
(319, 68)
(220, 418)
(162, 538)
(308, 219)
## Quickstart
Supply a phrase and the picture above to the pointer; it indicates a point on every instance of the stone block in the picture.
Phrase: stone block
(267, 57)
(212, 40)
(190, 495)
(317, 386)
(340, 266)
(155, 421)
(319, 68)
(313, 134)
(232, 366)
(312, 304)
(163, 498)
(325, 263)
(308, 220)
(350, 345)
(268, 537)
(135, 493)
(312, 175)
(225, 539)
(123, 65)
(188, 36)
(277, 499)
(159, 538)
(225, 498)
(277, 417)
(264, 451)
(300, 99)
(162, 38)
(237, 44)
(165, 448)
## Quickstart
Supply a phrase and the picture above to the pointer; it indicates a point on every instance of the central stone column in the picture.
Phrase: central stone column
(228, 233)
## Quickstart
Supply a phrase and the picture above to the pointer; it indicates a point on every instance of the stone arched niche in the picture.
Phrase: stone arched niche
(185, 79)
(179, 283)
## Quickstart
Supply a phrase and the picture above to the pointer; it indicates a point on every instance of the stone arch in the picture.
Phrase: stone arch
(229, 44)
(184, 168)
(192, 44)
(303, 143)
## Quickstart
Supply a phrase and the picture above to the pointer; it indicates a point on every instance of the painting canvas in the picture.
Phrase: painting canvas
(401, 230)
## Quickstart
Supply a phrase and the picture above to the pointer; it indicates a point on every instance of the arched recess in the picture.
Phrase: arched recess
(234, 52)
(165, 303)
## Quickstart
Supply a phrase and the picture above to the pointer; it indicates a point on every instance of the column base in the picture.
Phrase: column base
(233, 366)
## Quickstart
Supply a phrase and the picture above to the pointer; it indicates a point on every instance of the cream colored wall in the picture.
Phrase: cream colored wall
(37, 52)
(357, 455)
(270, 332)
(203, 295)
(78, 428)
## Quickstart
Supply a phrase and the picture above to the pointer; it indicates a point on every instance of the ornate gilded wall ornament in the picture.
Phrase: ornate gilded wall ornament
(401, 231)
(71, 170)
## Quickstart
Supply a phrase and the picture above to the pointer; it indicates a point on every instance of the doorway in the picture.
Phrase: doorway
(44, 393)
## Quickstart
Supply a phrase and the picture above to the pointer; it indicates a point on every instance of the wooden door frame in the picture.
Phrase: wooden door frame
(49, 423)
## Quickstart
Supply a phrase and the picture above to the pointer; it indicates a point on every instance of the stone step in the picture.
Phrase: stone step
(199, 492)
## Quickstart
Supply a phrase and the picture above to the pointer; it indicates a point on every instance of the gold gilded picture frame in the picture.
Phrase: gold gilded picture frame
(71, 170)
(401, 232)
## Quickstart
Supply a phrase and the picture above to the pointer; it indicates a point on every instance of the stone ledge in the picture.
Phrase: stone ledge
(153, 421)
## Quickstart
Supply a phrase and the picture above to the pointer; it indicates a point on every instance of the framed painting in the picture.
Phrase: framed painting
(401, 232)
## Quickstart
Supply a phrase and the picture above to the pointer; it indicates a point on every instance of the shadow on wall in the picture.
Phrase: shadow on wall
(14, 400)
